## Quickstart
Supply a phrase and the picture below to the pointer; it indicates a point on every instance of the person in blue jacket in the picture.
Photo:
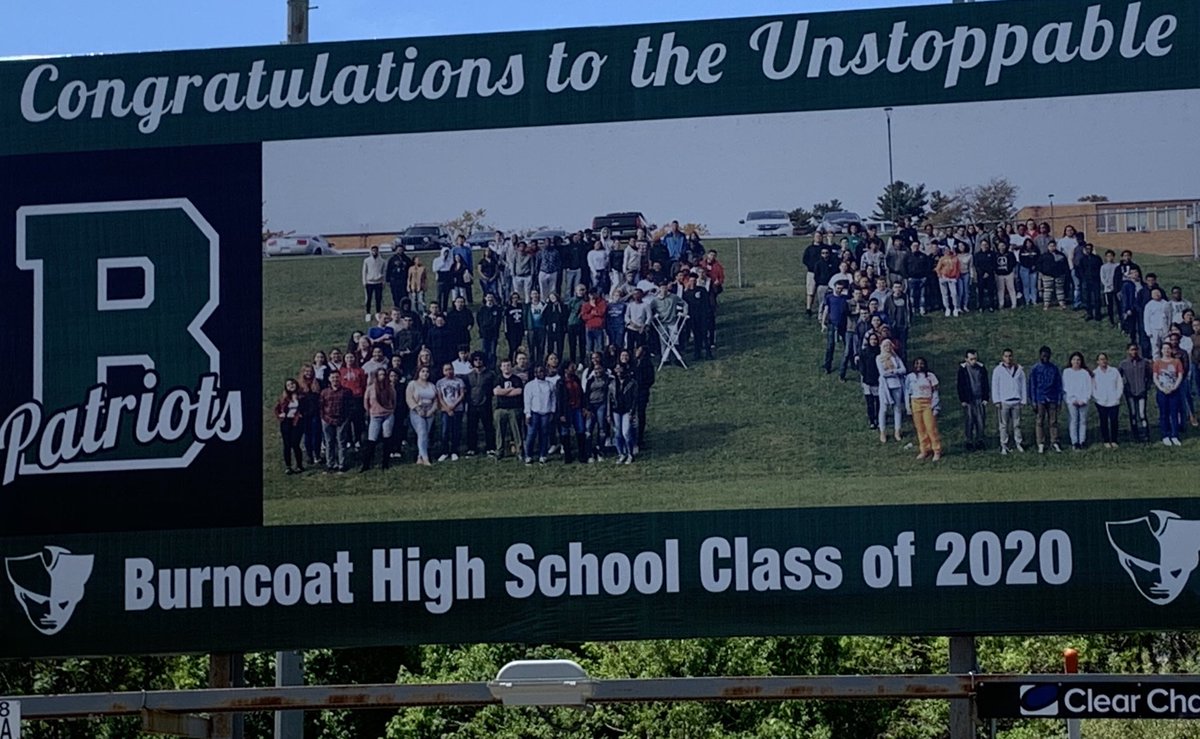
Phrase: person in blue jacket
(1045, 393)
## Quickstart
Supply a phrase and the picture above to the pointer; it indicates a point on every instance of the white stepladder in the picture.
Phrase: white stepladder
(668, 337)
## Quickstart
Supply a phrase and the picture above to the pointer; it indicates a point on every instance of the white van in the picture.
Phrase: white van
(767, 223)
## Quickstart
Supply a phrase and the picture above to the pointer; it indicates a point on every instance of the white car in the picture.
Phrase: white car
(767, 223)
(297, 245)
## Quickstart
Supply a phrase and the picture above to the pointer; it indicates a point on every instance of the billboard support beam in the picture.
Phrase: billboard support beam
(224, 671)
(963, 659)
(297, 31)
(289, 670)
(319, 697)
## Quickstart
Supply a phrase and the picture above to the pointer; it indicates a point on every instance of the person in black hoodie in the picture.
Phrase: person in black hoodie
(696, 299)
(826, 268)
(1006, 274)
(490, 320)
(869, 375)
(974, 393)
(441, 342)
(460, 320)
(1089, 281)
(643, 370)
(396, 274)
(812, 253)
(985, 276)
(916, 268)
(514, 324)
(1053, 269)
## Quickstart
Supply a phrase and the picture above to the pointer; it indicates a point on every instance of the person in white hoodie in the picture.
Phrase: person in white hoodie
(1156, 320)
(1010, 392)
(1107, 390)
(1077, 394)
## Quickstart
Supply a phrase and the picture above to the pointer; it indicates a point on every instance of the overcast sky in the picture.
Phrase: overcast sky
(714, 170)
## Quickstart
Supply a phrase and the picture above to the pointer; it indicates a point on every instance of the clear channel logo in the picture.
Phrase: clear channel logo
(1039, 700)
(49, 585)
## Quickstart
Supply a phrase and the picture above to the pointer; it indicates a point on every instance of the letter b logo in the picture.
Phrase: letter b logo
(119, 285)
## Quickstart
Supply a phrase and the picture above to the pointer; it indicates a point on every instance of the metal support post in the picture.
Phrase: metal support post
(963, 660)
(289, 670)
(227, 671)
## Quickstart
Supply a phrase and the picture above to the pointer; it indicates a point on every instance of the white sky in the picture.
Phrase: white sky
(713, 170)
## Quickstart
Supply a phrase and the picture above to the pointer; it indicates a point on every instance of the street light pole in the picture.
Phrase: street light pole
(1051, 212)
(891, 169)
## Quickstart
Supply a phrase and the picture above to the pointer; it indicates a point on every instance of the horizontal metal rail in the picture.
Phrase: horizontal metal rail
(820, 687)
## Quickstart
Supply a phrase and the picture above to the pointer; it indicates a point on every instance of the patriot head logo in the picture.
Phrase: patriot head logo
(123, 375)
(1039, 699)
(48, 585)
(1159, 551)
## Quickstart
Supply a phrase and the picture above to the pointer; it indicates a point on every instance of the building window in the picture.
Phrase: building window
(1162, 218)
(1106, 222)
(1137, 221)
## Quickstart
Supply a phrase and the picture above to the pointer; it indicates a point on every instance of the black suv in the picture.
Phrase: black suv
(621, 225)
(424, 236)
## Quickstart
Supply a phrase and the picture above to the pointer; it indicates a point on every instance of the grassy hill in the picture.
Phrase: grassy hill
(761, 426)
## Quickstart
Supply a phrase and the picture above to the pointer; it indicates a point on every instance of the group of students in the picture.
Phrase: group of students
(867, 298)
(539, 284)
(575, 379)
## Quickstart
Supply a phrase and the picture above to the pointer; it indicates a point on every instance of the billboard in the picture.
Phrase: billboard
(237, 419)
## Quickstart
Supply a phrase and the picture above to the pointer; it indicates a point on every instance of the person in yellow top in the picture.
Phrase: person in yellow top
(948, 270)
(921, 389)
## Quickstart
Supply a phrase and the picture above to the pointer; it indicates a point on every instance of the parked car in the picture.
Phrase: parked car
(767, 223)
(883, 228)
(480, 239)
(425, 236)
(297, 245)
(838, 221)
(547, 235)
(622, 225)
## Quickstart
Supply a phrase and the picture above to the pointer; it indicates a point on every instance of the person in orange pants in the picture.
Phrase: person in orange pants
(921, 388)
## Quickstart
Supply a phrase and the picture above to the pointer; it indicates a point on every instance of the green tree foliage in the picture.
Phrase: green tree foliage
(901, 200)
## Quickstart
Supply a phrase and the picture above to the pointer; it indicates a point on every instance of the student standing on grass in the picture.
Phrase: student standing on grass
(354, 379)
(514, 324)
(1168, 375)
(921, 387)
(869, 377)
(310, 411)
(622, 404)
(421, 398)
(509, 404)
(1107, 387)
(833, 322)
(1090, 282)
(379, 402)
(1156, 320)
(539, 405)
(480, 382)
(535, 326)
(1134, 296)
(1045, 392)
(450, 395)
(1027, 261)
(974, 392)
(1077, 394)
(1109, 287)
(490, 320)
(374, 270)
(986, 281)
(916, 266)
(1010, 394)
(443, 265)
(1136, 375)
(1053, 269)
(1006, 275)
(416, 284)
(335, 422)
(812, 253)
(397, 274)
(966, 266)
(291, 426)
(891, 388)
(947, 269)
(899, 310)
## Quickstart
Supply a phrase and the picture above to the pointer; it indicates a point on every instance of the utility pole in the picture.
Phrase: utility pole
(891, 169)
(297, 28)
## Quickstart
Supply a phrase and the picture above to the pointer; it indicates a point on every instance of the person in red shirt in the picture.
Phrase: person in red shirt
(593, 313)
(716, 272)
(354, 379)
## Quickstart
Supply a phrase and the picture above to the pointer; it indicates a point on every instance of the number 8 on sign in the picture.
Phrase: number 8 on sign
(10, 719)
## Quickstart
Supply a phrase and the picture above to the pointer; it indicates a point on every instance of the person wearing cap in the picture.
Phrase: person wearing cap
(637, 319)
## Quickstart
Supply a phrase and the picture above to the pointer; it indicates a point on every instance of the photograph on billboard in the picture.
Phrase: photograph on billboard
(741, 327)
(786, 333)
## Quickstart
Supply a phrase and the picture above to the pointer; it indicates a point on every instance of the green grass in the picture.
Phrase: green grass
(759, 427)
